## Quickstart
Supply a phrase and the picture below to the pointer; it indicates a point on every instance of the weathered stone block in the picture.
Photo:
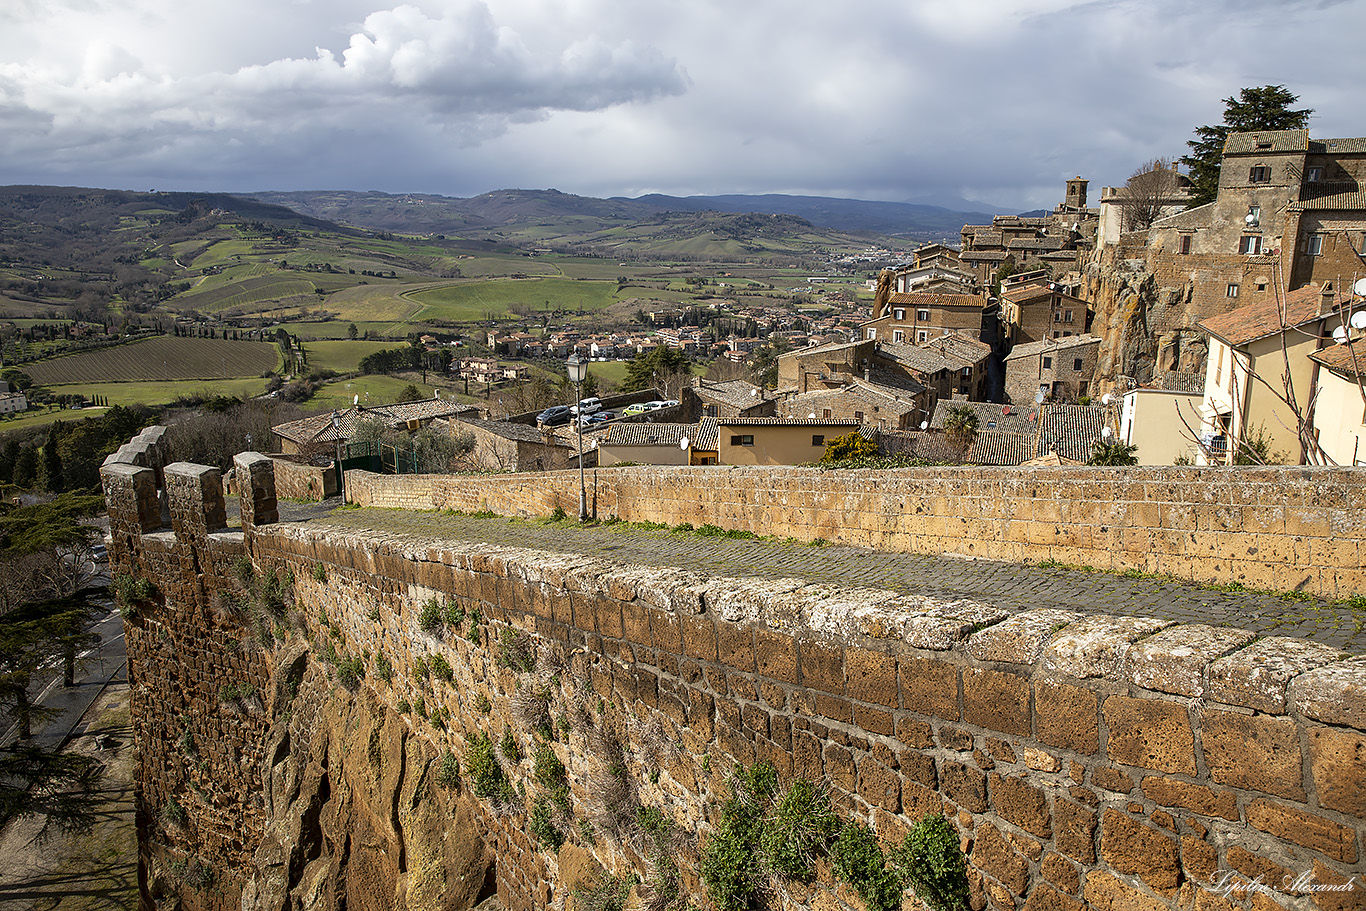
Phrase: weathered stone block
(1174, 660)
(992, 854)
(1254, 752)
(1337, 762)
(776, 655)
(930, 687)
(1335, 694)
(1256, 676)
(1066, 716)
(699, 637)
(1171, 792)
(822, 666)
(1323, 835)
(1021, 803)
(1132, 847)
(1075, 827)
(965, 785)
(1019, 639)
(870, 676)
(1095, 646)
(1107, 892)
(1150, 734)
(996, 700)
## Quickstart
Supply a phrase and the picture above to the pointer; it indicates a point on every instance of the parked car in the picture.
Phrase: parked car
(637, 408)
(599, 417)
(668, 403)
(555, 414)
(587, 406)
(653, 406)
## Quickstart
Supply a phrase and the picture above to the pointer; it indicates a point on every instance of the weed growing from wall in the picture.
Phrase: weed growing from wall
(448, 772)
(930, 861)
(608, 893)
(132, 593)
(764, 839)
(515, 651)
(485, 774)
(541, 825)
(857, 859)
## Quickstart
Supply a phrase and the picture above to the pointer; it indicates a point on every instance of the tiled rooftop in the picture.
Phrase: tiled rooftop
(1265, 317)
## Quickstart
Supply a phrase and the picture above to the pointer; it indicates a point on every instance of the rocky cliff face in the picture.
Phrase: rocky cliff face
(357, 817)
(1147, 327)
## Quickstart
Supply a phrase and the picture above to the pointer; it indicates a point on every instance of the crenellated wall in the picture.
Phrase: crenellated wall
(1086, 761)
(1275, 528)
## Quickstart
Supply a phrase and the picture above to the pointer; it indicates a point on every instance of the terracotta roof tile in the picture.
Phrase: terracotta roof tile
(1267, 141)
(1346, 359)
(994, 447)
(1267, 317)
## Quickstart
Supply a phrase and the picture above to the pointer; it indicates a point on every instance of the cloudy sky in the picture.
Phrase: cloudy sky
(899, 100)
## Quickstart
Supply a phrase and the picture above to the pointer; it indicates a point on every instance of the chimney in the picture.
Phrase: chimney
(1327, 298)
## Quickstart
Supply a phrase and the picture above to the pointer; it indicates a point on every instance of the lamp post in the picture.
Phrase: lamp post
(577, 371)
(336, 431)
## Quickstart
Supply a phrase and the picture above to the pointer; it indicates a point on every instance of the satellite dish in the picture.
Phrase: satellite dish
(1251, 219)
(355, 400)
(1340, 335)
(1005, 410)
(754, 393)
(1359, 288)
(1038, 397)
(1105, 399)
(811, 416)
(924, 424)
(1105, 432)
(683, 444)
(1359, 319)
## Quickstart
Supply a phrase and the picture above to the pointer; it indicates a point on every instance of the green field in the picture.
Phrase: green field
(157, 393)
(343, 355)
(373, 390)
(484, 299)
(159, 359)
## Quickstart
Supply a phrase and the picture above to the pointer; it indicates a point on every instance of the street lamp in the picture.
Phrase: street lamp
(578, 370)
(336, 431)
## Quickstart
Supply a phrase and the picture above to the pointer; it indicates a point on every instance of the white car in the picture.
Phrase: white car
(587, 406)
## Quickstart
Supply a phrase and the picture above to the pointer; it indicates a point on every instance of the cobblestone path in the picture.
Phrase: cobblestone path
(1013, 587)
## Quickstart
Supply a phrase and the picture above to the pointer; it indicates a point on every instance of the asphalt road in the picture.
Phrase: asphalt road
(96, 667)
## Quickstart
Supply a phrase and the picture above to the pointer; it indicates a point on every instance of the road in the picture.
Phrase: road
(96, 667)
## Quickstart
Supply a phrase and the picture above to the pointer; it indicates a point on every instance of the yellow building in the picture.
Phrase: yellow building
(777, 441)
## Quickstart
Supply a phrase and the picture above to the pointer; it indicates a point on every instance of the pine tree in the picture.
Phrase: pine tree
(1264, 108)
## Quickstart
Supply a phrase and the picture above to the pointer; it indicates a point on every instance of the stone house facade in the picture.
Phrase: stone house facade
(1062, 369)
(918, 317)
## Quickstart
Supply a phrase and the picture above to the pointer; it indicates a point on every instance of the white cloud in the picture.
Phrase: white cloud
(997, 99)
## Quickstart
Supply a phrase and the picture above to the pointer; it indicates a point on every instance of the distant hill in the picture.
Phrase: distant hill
(502, 209)
(890, 218)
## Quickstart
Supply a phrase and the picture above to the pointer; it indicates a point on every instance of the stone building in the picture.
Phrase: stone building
(1061, 369)
(323, 432)
(1290, 211)
(922, 315)
(1058, 242)
(1034, 308)
(1253, 350)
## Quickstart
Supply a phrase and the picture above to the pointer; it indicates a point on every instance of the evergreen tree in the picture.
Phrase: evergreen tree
(46, 605)
(653, 368)
(51, 471)
(1264, 108)
(26, 467)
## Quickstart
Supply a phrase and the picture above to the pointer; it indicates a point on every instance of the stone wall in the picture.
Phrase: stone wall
(1123, 762)
(1274, 528)
(1086, 761)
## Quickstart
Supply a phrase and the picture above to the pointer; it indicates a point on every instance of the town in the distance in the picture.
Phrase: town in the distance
(1206, 316)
